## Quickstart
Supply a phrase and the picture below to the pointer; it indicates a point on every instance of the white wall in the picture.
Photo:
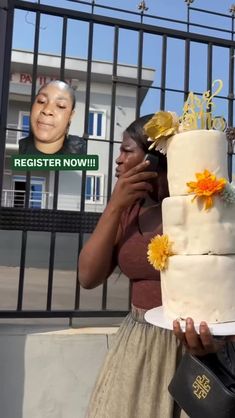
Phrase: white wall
(49, 373)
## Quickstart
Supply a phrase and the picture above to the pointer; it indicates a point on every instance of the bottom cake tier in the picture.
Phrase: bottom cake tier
(199, 286)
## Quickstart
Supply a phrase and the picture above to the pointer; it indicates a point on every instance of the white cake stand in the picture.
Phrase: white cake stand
(157, 317)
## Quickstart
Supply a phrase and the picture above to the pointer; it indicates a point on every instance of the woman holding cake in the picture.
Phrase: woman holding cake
(139, 366)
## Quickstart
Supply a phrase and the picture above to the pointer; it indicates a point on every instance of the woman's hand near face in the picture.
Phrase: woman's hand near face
(197, 344)
(133, 185)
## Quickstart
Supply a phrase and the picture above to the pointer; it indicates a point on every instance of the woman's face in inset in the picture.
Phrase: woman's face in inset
(51, 114)
(130, 155)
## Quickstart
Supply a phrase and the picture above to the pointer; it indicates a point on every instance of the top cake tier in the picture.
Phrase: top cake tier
(192, 152)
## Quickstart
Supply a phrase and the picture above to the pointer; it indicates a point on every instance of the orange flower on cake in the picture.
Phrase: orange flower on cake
(159, 250)
(206, 187)
(159, 128)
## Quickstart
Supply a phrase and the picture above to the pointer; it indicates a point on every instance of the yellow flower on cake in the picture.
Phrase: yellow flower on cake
(159, 250)
(160, 127)
(206, 186)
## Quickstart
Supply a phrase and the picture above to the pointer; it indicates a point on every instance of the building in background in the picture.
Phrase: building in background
(42, 182)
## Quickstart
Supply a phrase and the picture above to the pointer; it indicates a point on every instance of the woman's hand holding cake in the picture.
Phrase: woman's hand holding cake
(198, 344)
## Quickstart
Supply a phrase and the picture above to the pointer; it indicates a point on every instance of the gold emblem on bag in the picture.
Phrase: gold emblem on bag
(202, 387)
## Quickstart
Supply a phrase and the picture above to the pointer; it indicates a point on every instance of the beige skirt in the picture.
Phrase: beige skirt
(137, 370)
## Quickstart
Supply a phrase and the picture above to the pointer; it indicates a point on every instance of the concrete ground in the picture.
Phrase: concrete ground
(64, 283)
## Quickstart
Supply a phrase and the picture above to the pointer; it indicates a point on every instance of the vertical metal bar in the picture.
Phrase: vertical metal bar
(22, 270)
(186, 68)
(78, 290)
(51, 271)
(56, 180)
(63, 48)
(87, 104)
(33, 92)
(52, 245)
(22, 260)
(6, 33)
(112, 112)
(92, 6)
(209, 68)
(139, 73)
(62, 68)
(188, 17)
(163, 73)
(86, 121)
(35, 56)
(209, 65)
(111, 138)
(28, 174)
(231, 102)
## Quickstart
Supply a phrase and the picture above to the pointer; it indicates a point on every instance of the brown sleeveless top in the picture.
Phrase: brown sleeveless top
(133, 262)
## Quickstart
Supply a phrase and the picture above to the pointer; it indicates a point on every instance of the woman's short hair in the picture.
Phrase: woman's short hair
(64, 86)
(136, 131)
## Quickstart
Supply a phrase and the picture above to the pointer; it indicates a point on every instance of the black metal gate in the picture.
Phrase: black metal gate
(145, 29)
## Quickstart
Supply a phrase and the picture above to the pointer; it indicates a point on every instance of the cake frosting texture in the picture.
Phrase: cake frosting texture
(199, 280)
(194, 230)
(191, 152)
(200, 286)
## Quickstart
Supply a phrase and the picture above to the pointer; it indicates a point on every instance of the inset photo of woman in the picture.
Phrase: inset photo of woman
(50, 119)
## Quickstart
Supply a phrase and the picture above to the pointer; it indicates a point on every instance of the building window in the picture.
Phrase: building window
(24, 124)
(94, 188)
(37, 194)
(97, 124)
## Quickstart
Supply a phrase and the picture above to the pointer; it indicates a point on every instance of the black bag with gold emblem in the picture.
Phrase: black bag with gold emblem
(204, 387)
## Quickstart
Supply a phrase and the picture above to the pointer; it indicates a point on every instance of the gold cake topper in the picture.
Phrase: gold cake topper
(197, 113)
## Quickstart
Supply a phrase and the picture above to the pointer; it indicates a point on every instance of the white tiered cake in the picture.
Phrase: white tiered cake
(199, 280)
(196, 254)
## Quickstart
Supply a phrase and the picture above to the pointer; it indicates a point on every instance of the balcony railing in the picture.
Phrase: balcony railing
(44, 200)
(16, 198)
(13, 134)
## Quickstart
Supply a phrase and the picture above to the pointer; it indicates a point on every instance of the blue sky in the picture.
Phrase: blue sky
(173, 9)
(51, 32)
